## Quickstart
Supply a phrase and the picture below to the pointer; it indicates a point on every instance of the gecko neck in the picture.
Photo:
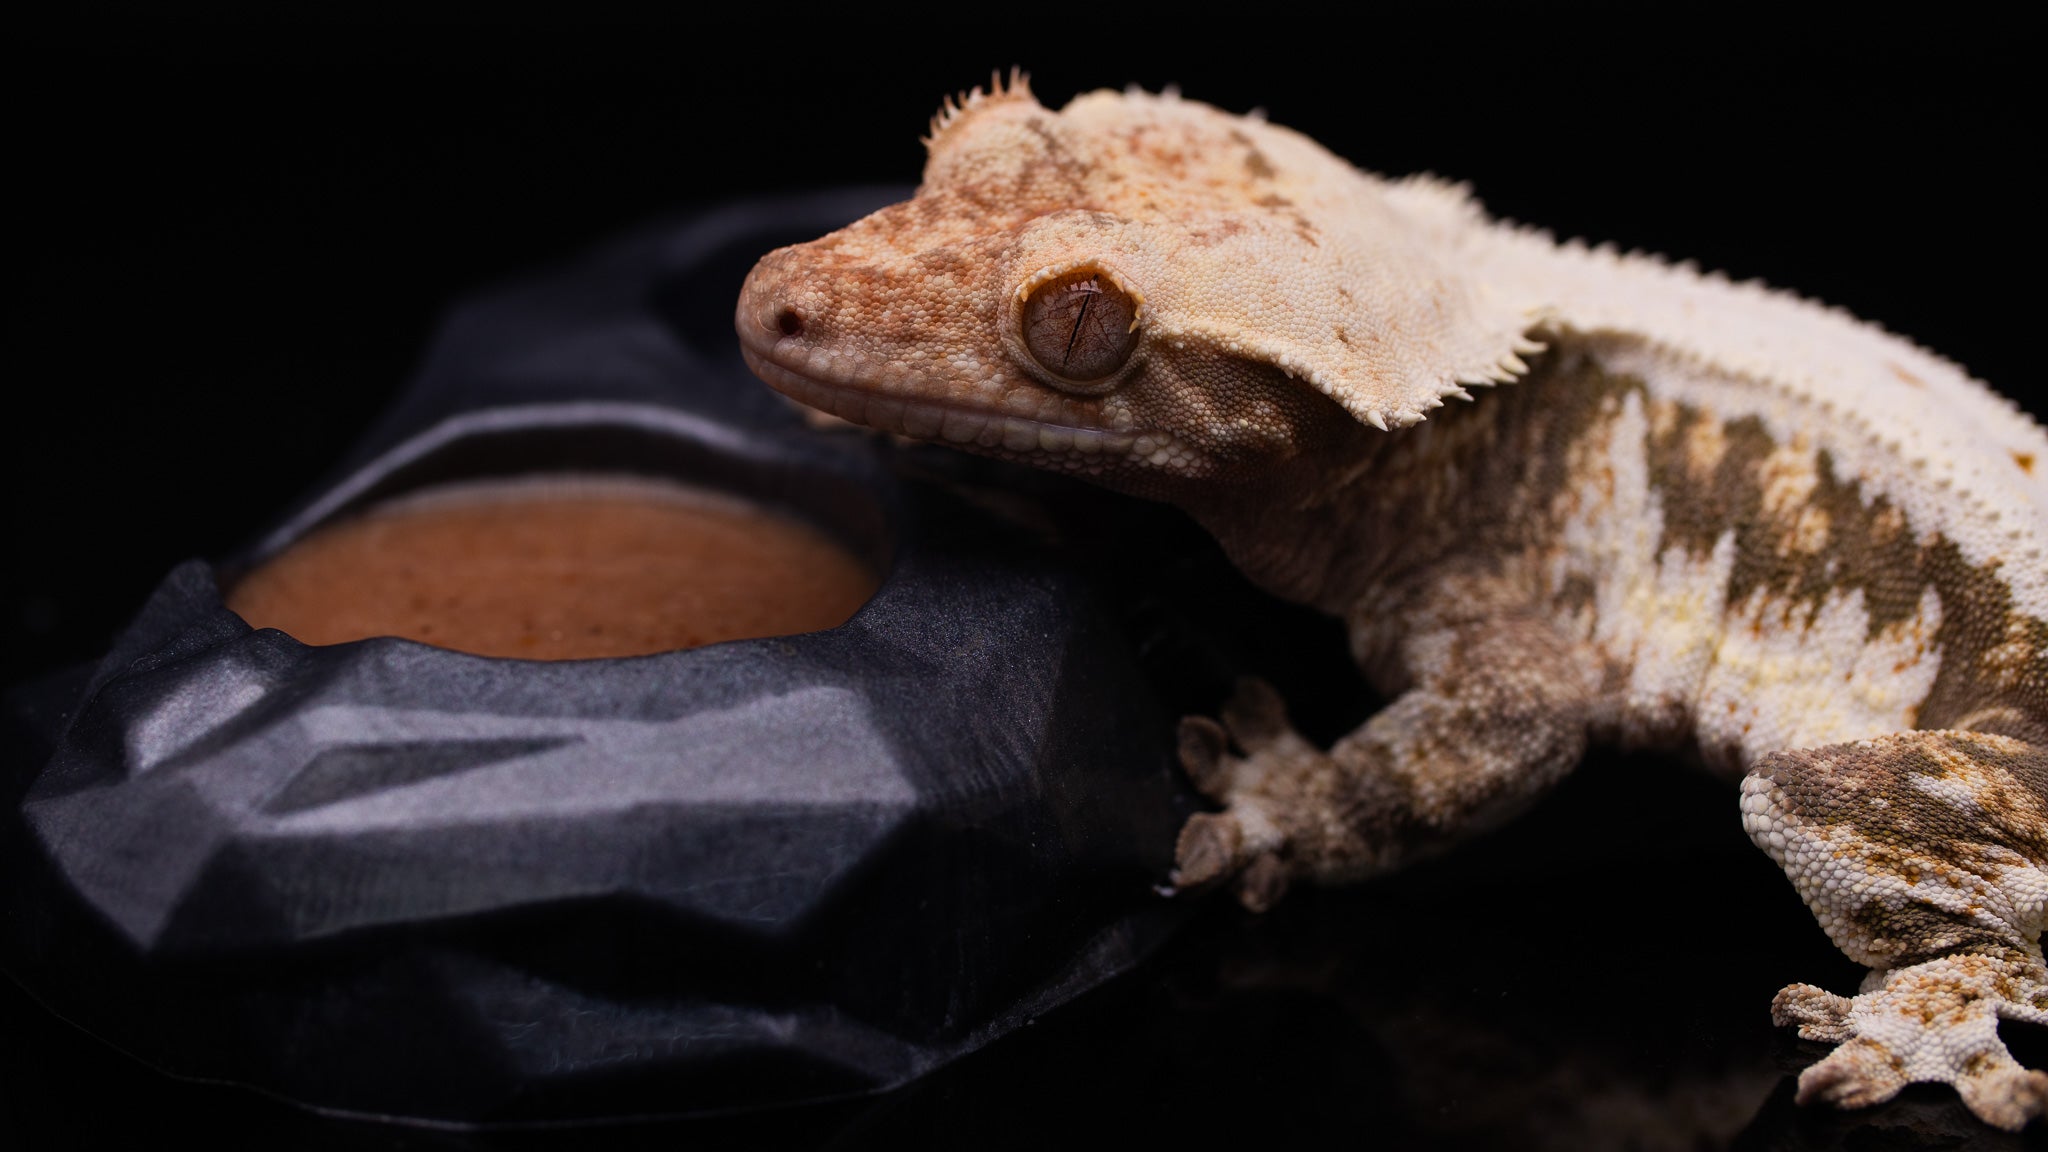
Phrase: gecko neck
(1354, 513)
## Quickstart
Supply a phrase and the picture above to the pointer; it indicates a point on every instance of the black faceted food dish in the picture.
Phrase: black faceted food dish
(389, 878)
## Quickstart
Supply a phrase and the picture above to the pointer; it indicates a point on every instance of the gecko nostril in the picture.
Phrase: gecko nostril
(789, 322)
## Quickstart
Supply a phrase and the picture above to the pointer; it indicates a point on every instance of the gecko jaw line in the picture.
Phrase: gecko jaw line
(853, 400)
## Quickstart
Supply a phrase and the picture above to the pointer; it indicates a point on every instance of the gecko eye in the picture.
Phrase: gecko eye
(1080, 326)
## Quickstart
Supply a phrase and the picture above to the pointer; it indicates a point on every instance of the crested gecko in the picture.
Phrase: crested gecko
(1558, 495)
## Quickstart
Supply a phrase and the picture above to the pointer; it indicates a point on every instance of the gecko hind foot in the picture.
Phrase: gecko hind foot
(1922, 854)
(1936, 1021)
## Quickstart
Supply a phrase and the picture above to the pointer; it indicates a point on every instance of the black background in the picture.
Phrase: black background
(232, 238)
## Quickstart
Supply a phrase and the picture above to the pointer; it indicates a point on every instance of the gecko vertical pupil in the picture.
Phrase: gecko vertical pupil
(1081, 327)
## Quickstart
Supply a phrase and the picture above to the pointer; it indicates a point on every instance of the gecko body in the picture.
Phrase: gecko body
(1560, 496)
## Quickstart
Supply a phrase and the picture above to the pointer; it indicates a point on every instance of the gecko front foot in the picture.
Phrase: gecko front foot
(1936, 1021)
(1267, 777)
(1496, 714)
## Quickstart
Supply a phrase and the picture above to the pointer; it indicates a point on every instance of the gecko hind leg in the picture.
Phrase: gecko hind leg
(1925, 857)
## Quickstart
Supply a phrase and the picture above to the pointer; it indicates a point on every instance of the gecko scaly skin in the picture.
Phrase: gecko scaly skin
(1695, 515)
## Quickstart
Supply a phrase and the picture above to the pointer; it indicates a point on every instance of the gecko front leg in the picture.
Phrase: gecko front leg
(1925, 856)
(1497, 713)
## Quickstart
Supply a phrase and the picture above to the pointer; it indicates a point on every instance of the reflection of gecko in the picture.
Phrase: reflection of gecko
(1704, 515)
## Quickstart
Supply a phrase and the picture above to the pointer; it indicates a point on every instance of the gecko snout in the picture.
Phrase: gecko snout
(767, 315)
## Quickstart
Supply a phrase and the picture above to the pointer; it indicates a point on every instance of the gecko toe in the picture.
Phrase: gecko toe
(1819, 1013)
(1204, 753)
(2004, 1094)
(1209, 848)
(1856, 1075)
(1262, 883)
(1255, 714)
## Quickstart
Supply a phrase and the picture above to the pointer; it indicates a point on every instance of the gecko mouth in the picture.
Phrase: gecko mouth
(859, 401)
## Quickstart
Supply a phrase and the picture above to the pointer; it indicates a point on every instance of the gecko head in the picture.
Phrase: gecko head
(1139, 289)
